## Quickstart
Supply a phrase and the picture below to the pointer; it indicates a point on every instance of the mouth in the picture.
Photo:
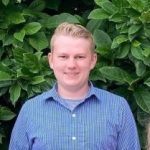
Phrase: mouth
(71, 74)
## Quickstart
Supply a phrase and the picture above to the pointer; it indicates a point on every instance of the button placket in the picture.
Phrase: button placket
(73, 137)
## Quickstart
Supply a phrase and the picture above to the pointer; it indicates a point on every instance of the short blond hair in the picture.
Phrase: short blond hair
(72, 30)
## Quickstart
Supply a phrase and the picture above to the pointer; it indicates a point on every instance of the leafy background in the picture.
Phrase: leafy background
(121, 30)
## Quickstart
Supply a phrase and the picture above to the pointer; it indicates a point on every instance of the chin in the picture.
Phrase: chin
(72, 84)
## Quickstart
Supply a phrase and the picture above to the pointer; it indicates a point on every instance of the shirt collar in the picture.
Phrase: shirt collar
(93, 92)
(53, 94)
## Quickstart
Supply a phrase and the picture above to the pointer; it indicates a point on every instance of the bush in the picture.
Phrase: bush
(121, 33)
(25, 30)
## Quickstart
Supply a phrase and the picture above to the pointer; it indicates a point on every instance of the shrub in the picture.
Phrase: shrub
(25, 30)
(122, 35)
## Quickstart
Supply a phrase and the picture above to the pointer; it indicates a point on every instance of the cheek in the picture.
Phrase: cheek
(88, 65)
(85, 68)
(58, 67)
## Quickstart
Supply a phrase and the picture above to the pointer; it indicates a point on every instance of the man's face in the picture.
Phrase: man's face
(72, 60)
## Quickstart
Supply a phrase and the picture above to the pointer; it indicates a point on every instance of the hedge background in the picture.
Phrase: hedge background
(121, 30)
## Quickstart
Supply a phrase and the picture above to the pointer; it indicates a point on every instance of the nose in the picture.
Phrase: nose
(71, 63)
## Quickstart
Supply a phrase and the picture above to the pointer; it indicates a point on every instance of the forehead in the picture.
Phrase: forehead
(69, 38)
(63, 41)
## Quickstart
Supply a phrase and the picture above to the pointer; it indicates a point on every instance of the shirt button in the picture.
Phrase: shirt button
(74, 138)
(74, 115)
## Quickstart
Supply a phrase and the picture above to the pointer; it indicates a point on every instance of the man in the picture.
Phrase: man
(74, 115)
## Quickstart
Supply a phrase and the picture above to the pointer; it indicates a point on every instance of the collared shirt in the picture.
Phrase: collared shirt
(103, 121)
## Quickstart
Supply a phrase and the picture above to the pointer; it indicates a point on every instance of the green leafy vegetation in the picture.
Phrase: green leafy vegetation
(126, 65)
(121, 30)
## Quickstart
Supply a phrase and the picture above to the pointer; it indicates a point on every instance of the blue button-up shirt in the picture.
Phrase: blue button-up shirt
(103, 121)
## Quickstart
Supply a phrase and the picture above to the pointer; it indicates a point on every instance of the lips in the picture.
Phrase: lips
(71, 74)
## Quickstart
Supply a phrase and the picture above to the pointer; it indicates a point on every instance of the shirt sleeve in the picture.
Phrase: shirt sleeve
(128, 136)
(19, 138)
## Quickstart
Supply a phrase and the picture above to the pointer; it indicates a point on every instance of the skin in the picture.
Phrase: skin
(72, 60)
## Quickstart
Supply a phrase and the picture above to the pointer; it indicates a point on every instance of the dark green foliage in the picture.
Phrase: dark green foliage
(25, 31)
(121, 30)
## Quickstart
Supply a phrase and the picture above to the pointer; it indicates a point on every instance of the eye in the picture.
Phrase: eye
(80, 57)
(63, 56)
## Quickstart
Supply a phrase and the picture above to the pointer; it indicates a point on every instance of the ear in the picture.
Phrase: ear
(94, 60)
(50, 60)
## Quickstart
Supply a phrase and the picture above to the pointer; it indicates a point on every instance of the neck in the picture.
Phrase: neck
(73, 93)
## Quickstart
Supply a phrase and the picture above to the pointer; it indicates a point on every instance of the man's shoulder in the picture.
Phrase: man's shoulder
(111, 101)
(38, 99)
(106, 93)
(107, 96)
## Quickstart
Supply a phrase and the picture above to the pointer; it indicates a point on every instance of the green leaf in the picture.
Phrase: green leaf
(122, 51)
(134, 28)
(97, 75)
(142, 96)
(98, 14)
(15, 91)
(37, 5)
(55, 20)
(102, 39)
(18, 1)
(53, 5)
(147, 82)
(145, 17)
(99, 2)
(146, 51)
(118, 18)
(93, 25)
(32, 28)
(122, 27)
(140, 68)
(6, 114)
(5, 2)
(24, 84)
(39, 41)
(103, 42)
(136, 43)
(18, 54)
(137, 52)
(2, 34)
(116, 74)
(38, 55)
(26, 73)
(36, 89)
(137, 4)
(5, 76)
(8, 40)
(118, 40)
(109, 7)
(16, 17)
(5, 68)
(28, 12)
(147, 30)
(31, 62)
(146, 61)
(6, 83)
(20, 35)
(37, 80)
